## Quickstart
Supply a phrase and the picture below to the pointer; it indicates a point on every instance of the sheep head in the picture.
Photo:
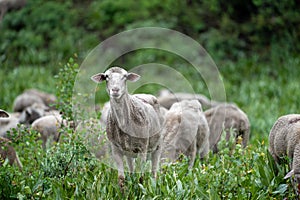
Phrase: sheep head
(115, 78)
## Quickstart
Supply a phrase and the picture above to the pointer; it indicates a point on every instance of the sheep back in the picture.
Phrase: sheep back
(227, 117)
(48, 127)
(278, 137)
(185, 131)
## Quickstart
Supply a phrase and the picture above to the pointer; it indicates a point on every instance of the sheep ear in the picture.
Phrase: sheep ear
(3, 114)
(98, 78)
(288, 175)
(133, 77)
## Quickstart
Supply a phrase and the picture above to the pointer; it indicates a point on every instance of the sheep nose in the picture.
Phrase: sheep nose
(115, 89)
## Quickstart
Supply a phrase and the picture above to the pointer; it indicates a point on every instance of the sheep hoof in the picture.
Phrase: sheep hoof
(121, 183)
(141, 179)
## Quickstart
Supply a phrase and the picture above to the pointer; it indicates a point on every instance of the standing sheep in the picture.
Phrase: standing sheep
(134, 121)
(284, 140)
(185, 131)
(228, 118)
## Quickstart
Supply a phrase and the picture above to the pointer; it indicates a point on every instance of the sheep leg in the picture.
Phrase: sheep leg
(296, 168)
(191, 153)
(130, 162)
(204, 150)
(117, 156)
(155, 158)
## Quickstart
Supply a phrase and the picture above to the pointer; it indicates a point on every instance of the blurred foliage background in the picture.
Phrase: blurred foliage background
(44, 33)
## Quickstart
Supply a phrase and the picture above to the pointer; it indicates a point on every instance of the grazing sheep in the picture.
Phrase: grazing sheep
(48, 127)
(31, 96)
(134, 121)
(166, 99)
(8, 152)
(48, 99)
(284, 141)
(185, 131)
(31, 113)
(228, 118)
(7, 123)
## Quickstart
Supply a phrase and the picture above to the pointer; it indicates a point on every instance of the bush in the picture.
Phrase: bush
(41, 33)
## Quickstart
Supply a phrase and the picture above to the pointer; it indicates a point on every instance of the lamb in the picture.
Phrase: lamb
(166, 99)
(228, 118)
(185, 131)
(134, 122)
(9, 153)
(31, 96)
(7, 123)
(284, 140)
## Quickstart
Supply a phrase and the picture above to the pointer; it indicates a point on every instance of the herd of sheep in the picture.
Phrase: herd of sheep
(156, 128)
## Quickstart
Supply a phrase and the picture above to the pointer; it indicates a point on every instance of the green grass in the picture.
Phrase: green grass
(68, 171)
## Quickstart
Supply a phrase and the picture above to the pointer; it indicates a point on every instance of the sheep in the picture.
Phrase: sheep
(228, 118)
(105, 109)
(134, 122)
(48, 127)
(31, 113)
(31, 96)
(284, 140)
(166, 99)
(48, 99)
(185, 131)
(7, 123)
(9, 153)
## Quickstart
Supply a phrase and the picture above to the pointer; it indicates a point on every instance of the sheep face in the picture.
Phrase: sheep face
(115, 81)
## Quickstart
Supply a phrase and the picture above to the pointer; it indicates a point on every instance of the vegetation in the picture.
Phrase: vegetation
(254, 44)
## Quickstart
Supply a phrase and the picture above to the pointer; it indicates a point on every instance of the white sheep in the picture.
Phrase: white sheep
(230, 119)
(31, 113)
(31, 96)
(166, 99)
(7, 123)
(9, 153)
(284, 140)
(48, 127)
(48, 99)
(106, 107)
(134, 121)
(185, 131)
